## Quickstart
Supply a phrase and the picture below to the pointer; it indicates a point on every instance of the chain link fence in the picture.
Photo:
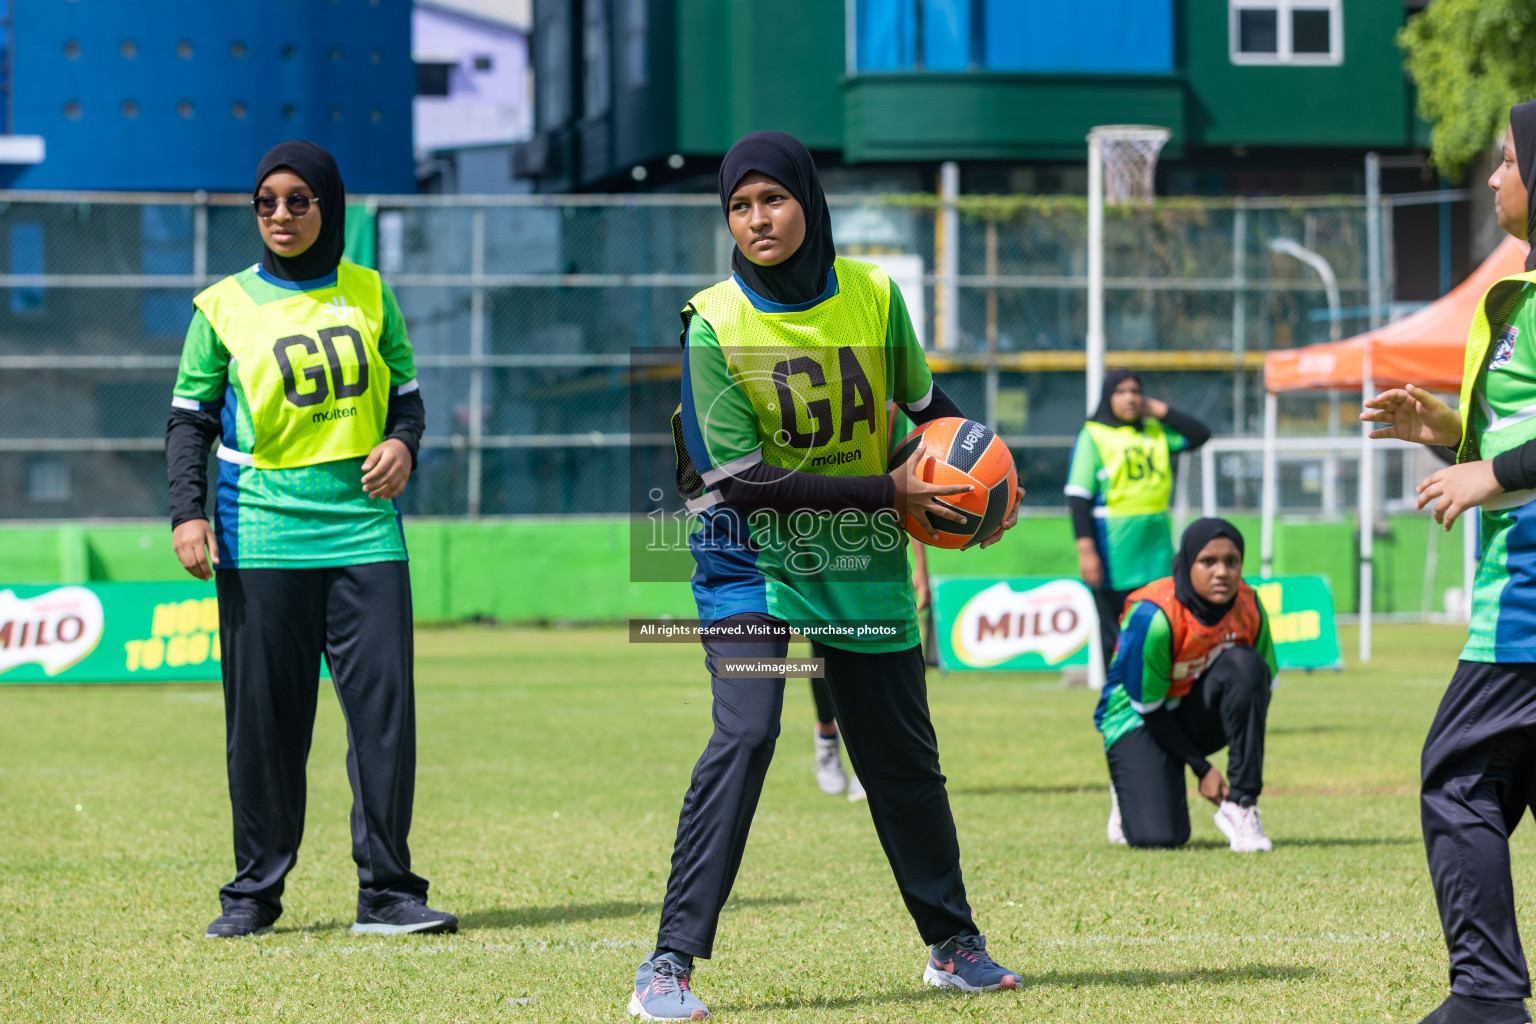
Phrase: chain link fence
(525, 311)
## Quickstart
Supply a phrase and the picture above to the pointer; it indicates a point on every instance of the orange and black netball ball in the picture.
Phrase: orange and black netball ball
(962, 451)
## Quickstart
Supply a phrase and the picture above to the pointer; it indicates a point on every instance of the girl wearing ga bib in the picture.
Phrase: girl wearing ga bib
(1191, 676)
(1117, 492)
(783, 449)
(299, 369)
(1476, 776)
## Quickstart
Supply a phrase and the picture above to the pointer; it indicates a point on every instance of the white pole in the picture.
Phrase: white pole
(1239, 314)
(1095, 347)
(1330, 480)
(1271, 487)
(1097, 670)
(1367, 515)
(1373, 260)
(949, 310)
(1180, 493)
(477, 374)
(1207, 481)
(1471, 520)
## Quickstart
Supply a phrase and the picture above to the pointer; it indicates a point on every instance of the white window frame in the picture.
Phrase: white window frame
(1283, 54)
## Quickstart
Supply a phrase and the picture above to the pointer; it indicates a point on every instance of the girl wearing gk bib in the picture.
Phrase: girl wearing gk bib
(1191, 675)
(786, 374)
(1117, 491)
(300, 369)
(1478, 770)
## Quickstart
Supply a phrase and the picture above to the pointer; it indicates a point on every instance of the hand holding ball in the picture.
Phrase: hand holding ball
(956, 484)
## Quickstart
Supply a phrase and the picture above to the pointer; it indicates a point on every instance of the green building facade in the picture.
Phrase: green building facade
(1260, 95)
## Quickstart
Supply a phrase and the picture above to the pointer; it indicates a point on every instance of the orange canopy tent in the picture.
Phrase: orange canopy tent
(1424, 348)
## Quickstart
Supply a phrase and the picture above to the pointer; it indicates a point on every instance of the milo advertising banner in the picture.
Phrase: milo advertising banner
(1300, 610)
(1045, 623)
(109, 633)
(1022, 623)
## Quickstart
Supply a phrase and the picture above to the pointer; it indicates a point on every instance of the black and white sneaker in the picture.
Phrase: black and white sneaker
(234, 924)
(404, 918)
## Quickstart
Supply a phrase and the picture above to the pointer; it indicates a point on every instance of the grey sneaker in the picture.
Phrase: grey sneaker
(403, 918)
(662, 991)
(963, 963)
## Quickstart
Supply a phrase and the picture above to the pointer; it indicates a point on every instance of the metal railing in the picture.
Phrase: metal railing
(527, 312)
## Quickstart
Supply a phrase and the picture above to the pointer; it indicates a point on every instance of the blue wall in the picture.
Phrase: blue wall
(337, 72)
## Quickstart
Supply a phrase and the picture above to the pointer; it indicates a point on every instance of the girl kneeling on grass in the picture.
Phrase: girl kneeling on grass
(1479, 763)
(1192, 675)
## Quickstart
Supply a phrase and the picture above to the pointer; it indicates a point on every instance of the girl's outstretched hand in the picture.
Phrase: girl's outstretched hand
(1413, 414)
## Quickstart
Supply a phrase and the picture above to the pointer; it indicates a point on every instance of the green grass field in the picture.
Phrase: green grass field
(552, 765)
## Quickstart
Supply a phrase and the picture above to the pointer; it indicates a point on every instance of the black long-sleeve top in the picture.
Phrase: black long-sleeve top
(1193, 431)
(191, 434)
(1516, 468)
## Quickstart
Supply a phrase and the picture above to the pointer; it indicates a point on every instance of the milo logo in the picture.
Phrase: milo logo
(55, 630)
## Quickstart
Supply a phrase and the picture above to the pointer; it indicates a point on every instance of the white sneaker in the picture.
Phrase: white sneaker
(829, 766)
(855, 788)
(1241, 825)
(1113, 831)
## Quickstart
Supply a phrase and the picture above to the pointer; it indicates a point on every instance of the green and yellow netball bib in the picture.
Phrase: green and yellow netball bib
(1137, 472)
(818, 378)
(309, 367)
(1128, 475)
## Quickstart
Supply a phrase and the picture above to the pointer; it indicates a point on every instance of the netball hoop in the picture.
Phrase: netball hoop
(1122, 163)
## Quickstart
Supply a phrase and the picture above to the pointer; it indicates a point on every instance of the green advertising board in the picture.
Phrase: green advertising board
(1300, 610)
(1018, 623)
(109, 633)
(1045, 623)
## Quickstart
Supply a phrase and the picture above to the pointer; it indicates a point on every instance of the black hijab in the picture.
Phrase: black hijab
(1522, 121)
(1200, 533)
(1105, 413)
(785, 159)
(319, 171)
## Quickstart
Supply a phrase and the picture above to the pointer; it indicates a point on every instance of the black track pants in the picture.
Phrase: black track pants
(1479, 776)
(881, 705)
(1227, 707)
(274, 625)
(1111, 605)
(822, 697)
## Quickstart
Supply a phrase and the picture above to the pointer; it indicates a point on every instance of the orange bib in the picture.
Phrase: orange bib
(1196, 645)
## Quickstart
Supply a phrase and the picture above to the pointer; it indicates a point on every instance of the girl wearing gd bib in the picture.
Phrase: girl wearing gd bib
(301, 369)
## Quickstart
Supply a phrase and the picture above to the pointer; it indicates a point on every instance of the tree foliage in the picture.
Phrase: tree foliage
(1472, 60)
